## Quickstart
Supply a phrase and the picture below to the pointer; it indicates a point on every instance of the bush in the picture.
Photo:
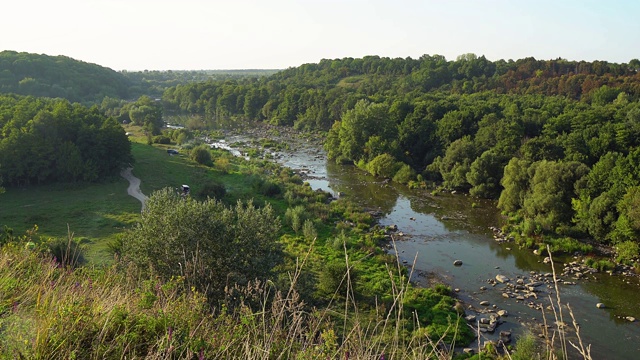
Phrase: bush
(212, 190)
(626, 252)
(404, 175)
(600, 265)
(161, 139)
(201, 154)
(66, 252)
(383, 165)
(208, 244)
(567, 245)
(266, 187)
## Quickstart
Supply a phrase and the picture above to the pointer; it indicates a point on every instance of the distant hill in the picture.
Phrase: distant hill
(59, 76)
(77, 81)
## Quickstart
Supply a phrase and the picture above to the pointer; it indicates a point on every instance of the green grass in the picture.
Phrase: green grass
(95, 212)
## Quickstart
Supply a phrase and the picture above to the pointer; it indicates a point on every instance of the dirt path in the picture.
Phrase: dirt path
(134, 186)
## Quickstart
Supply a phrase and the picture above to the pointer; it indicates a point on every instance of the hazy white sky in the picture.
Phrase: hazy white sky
(276, 34)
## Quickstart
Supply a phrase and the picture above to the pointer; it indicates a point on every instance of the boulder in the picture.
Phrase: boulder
(502, 279)
(457, 263)
(600, 306)
(484, 303)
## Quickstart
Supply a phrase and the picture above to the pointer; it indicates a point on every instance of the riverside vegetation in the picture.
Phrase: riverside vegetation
(555, 141)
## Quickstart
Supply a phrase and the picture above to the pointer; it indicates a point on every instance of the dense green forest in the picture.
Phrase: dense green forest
(555, 141)
(51, 140)
(59, 76)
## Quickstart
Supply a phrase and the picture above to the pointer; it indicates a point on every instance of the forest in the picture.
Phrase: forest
(555, 141)
(51, 140)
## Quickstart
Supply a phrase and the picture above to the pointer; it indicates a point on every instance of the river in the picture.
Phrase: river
(440, 229)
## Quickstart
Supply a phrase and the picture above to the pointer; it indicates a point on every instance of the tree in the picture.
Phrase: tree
(515, 182)
(212, 246)
(456, 163)
(485, 173)
(553, 185)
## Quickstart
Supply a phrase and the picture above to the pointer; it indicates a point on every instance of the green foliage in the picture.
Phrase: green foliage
(456, 163)
(567, 245)
(309, 230)
(295, 217)
(161, 139)
(627, 251)
(59, 77)
(51, 140)
(67, 252)
(527, 347)
(266, 187)
(336, 279)
(600, 265)
(404, 175)
(213, 190)
(210, 245)
(201, 154)
(383, 165)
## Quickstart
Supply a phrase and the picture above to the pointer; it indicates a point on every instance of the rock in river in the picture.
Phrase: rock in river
(502, 279)
(457, 263)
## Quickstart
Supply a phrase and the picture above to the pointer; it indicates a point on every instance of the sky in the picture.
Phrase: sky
(277, 34)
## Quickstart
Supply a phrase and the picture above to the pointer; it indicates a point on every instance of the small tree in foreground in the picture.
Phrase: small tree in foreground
(212, 246)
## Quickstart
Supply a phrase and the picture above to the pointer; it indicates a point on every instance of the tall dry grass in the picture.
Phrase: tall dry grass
(49, 311)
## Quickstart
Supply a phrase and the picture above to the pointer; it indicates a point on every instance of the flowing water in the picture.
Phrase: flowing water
(440, 229)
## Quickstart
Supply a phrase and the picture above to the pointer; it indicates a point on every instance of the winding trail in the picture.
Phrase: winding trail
(134, 186)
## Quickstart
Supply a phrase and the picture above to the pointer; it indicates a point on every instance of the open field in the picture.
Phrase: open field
(93, 212)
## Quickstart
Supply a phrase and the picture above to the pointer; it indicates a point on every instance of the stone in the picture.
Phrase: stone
(457, 263)
(600, 306)
(470, 318)
(483, 288)
(468, 351)
(484, 303)
(503, 313)
(630, 319)
(501, 278)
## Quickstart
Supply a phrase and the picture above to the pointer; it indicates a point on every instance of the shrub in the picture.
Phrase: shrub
(309, 231)
(201, 154)
(212, 190)
(383, 165)
(161, 139)
(626, 251)
(404, 175)
(67, 252)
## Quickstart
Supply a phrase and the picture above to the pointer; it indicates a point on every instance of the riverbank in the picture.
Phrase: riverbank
(439, 229)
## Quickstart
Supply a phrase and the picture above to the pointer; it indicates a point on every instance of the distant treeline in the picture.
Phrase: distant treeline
(77, 81)
(556, 141)
(51, 140)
